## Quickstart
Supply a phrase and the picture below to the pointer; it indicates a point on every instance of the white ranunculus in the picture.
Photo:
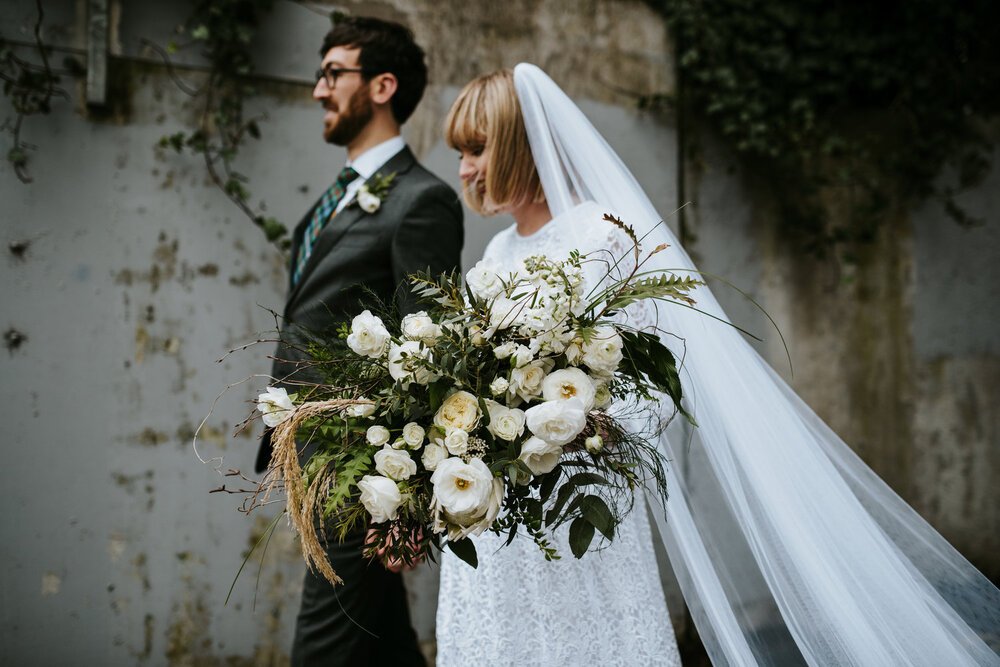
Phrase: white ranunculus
(557, 422)
(404, 364)
(484, 280)
(275, 406)
(368, 202)
(505, 423)
(594, 444)
(368, 336)
(395, 463)
(526, 381)
(433, 455)
(419, 326)
(380, 496)
(468, 496)
(460, 410)
(540, 456)
(377, 435)
(499, 385)
(413, 435)
(457, 441)
(569, 383)
(602, 395)
(521, 355)
(362, 408)
(603, 352)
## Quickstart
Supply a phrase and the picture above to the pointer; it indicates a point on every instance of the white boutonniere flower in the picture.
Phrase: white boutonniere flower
(373, 191)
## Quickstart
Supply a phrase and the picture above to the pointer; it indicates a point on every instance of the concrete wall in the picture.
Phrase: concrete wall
(128, 275)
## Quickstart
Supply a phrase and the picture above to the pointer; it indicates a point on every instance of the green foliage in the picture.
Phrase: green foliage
(224, 30)
(30, 88)
(867, 100)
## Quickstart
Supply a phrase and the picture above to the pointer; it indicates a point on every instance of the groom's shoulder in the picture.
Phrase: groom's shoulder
(419, 178)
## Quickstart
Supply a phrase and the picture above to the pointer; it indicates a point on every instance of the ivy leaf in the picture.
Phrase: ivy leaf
(466, 550)
(581, 533)
(596, 511)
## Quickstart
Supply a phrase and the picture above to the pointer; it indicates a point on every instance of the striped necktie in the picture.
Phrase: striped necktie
(324, 211)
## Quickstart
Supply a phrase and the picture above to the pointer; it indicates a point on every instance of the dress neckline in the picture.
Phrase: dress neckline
(550, 225)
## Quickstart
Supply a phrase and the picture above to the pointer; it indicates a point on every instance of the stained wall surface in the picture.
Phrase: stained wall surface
(128, 276)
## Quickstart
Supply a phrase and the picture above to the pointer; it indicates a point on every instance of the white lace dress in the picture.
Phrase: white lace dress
(518, 609)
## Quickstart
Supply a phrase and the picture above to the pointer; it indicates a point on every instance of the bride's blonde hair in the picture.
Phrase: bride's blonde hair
(487, 115)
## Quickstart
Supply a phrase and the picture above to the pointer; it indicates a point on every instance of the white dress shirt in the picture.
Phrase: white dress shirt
(367, 164)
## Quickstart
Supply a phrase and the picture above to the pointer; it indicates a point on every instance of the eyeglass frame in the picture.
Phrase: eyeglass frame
(326, 72)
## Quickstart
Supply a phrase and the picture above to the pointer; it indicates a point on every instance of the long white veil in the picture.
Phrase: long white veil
(788, 548)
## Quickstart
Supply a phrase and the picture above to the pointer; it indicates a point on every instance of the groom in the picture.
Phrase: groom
(383, 217)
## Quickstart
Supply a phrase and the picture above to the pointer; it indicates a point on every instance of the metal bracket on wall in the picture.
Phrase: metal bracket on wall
(97, 52)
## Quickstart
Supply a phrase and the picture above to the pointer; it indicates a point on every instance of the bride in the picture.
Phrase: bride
(788, 548)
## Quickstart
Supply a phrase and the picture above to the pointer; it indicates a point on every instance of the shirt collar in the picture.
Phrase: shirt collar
(368, 162)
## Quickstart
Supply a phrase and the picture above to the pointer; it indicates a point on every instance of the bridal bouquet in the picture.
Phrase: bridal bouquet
(490, 409)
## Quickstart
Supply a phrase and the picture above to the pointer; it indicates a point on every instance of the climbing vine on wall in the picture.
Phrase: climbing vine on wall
(223, 30)
(30, 87)
(867, 100)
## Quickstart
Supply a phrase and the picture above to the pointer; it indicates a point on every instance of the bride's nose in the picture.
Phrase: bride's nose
(467, 169)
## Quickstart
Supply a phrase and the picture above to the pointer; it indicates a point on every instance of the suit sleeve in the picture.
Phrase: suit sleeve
(429, 238)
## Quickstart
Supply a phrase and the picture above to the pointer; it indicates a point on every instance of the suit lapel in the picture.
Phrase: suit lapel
(335, 229)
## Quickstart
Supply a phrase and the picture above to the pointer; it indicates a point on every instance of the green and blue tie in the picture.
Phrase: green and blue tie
(324, 211)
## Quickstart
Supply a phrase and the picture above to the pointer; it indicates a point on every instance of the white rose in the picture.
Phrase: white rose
(505, 423)
(540, 456)
(380, 496)
(395, 463)
(521, 355)
(569, 383)
(604, 351)
(557, 422)
(433, 455)
(505, 350)
(368, 202)
(275, 406)
(419, 326)
(413, 435)
(468, 495)
(457, 441)
(499, 385)
(526, 381)
(406, 369)
(460, 410)
(594, 444)
(368, 336)
(377, 435)
(483, 279)
(362, 408)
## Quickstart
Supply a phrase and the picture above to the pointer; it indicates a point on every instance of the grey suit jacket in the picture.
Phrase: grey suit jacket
(417, 227)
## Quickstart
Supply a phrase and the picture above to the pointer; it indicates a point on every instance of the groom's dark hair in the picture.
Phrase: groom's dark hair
(385, 47)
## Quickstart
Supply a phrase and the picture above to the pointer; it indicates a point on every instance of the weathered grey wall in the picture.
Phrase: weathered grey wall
(138, 275)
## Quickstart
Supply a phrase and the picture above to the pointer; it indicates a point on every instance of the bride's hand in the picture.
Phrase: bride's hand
(389, 561)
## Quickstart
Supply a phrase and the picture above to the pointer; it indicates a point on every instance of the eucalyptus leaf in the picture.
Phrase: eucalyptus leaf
(581, 534)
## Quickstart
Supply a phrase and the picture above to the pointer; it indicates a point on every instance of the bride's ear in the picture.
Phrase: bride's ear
(383, 87)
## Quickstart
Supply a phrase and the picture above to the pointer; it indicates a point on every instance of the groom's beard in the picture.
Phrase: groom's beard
(352, 120)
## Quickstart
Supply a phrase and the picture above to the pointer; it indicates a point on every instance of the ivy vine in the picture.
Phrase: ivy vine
(30, 87)
(224, 30)
(870, 100)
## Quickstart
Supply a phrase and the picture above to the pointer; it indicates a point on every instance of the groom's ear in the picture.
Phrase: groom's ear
(383, 87)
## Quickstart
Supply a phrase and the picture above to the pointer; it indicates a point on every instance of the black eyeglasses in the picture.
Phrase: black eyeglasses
(330, 74)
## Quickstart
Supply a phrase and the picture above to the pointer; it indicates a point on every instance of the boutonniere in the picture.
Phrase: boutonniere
(373, 191)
